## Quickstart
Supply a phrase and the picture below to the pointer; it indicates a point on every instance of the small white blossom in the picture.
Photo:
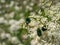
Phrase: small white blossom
(34, 41)
(49, 34)
(21, 21)
(3, 43)
(51, 25)
(46, 44)
(0, 12)
(7, 5)
(39, 12)
(54, 18)
(33, 23)
(17, 8)
(43, 20)
(14, 40)
(31, 4)
(33, 29)
(12, 3)
(11, 14)
(51, 12)
(2, 20)
(3, 1)
(25, 36)
(54, 8)
(20, 44)
(33, 34)
(28, 7)
(5, 35)
(12, 21)
(21, 14)
(14, 28)
(24, 2)
(32, 14)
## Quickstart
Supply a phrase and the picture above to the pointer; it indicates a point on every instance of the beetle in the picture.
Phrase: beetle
(44, 28)
(27, 21)
(39, 33)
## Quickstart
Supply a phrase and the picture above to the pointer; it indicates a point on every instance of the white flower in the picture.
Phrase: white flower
(54, 8)
(46, 44)
(43, 41)
(28, 7)
(33, 34)
(38, 44)
(20, 44)
(54, 18)
(33, 29)
(0, 43)
(41, 1)
(49, 3)
(7, 5)
(32, 14)
(37, 17)
(50, 44)
(39, 12)
(17, 8)
(58, 16)
(2, 20)
(33, 23)
(8, 35)
(21, 21)
(20, 7)
(14, 40)
(31, 4)
(12, 3)
(3, 1)
(14, 27)
(5, 35)
(43, 20)
(12, 21)
(25, 2)
(3, 43)
(51, 25)
(51, 12)
(25, 36)
(0, 12)
(11, 15)
(33, 42)
(21, 14)
(49, 33)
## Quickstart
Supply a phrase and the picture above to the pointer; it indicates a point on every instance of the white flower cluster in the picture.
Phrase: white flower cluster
(29, 22)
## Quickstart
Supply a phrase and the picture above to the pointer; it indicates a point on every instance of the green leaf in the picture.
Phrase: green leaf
(27, 13)
(43, 13)
(35, 7)
(49, 19)
(17, 15)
